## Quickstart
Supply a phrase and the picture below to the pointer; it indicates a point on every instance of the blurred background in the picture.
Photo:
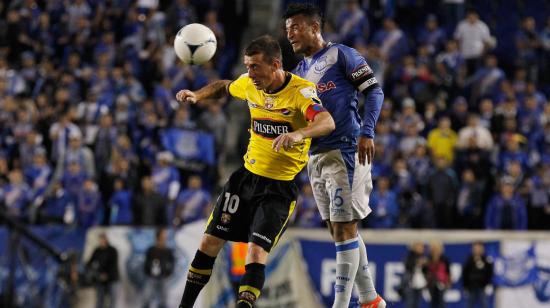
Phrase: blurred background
(91, 139)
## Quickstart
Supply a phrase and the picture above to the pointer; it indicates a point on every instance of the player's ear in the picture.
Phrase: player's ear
(277, 63)
(316, 26)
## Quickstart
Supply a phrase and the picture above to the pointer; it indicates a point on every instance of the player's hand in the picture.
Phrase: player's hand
(186, 96)
(287, 140)
(365, 149)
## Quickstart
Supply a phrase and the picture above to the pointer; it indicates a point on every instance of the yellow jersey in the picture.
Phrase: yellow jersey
(272, 114)
(442, 143)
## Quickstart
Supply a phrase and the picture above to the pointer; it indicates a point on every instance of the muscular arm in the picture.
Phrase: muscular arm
(322, 125)
(216, 89)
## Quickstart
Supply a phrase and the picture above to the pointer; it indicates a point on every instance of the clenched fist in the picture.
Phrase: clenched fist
(186, 96)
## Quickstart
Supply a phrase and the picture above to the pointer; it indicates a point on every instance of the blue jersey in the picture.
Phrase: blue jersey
(340, 72)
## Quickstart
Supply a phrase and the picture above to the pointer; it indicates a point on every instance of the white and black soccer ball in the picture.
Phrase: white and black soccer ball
(195, 44)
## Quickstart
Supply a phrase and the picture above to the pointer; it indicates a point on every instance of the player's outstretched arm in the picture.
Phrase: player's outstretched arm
(216, 89)
(322, 125)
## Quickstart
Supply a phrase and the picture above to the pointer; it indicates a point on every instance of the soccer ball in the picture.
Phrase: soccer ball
(195, 44)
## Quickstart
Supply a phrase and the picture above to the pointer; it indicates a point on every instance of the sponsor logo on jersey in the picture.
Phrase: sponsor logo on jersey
(285, 111)
(343, 278)
(361, 71)
(323, 87)
(269, 128)
(370, 82)
(222, 228)
(252, 105)
(267, 107)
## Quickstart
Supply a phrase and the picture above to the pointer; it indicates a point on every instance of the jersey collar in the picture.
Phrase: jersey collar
(288, 76)
(319, 52)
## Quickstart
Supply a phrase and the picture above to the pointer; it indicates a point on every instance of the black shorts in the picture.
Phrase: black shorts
(253, 208)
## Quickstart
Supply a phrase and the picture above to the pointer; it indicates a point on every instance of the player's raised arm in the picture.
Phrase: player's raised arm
(216, 89)
(322, 125)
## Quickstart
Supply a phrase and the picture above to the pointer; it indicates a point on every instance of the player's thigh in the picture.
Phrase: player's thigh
(318, 185)
(338, 171)
(361, 189)
(273, 213)
(232, 213)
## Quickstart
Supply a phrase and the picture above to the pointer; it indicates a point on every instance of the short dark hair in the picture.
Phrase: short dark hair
(307, 9)
(266, 45)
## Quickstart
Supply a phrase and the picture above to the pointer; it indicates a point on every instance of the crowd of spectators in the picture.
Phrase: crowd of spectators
(90, 132)
(463, 136)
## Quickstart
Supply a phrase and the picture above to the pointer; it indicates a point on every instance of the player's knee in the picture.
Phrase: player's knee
(256, 254)
(344, 230)
(211, 245)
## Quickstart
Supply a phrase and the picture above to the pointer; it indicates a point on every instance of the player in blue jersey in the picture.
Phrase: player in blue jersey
(340, 164)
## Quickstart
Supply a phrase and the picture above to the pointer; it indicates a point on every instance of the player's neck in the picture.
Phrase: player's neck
(279, 83)
(318, 45)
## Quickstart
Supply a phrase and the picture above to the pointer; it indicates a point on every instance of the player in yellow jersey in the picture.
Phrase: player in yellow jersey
(259, 198)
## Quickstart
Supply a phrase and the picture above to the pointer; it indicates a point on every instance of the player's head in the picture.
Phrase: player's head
(162, 237)
(263, 60)
(103, 240)
(303, 24)
(478, 249)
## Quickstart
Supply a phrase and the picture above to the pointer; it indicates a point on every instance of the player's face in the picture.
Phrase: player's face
(301, 33)
(261, 72)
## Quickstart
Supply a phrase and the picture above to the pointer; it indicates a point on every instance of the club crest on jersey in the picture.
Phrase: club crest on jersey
(308, 92)
(269, 102)
(226, 218)
(321, 65)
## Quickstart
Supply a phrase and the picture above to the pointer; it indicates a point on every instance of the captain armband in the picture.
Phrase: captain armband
(363, 78)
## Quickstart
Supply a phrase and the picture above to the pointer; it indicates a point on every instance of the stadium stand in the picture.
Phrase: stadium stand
(91, 135)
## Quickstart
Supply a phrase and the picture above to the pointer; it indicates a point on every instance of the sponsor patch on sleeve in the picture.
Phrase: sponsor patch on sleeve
(361, 71)
(308, 92)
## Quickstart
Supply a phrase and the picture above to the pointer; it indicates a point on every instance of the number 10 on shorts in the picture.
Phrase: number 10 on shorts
(231, 203)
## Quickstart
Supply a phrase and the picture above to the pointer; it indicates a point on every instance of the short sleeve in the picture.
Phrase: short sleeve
(237, 88)
(309, 103)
